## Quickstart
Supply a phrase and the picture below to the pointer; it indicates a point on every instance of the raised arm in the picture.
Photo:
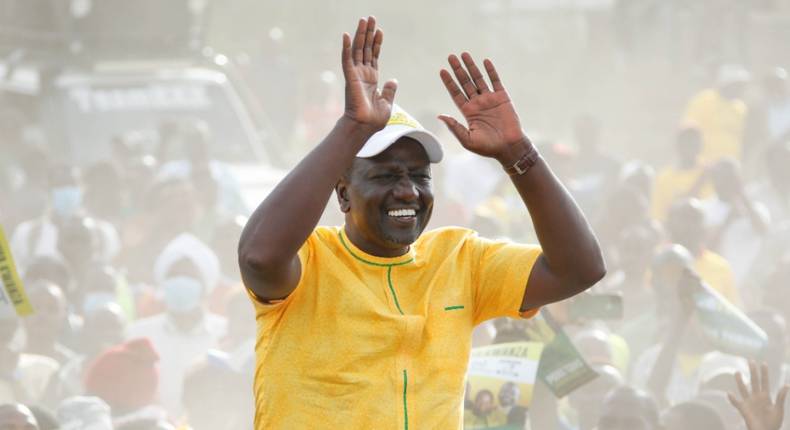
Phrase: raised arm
(572, 259)
(282, 223)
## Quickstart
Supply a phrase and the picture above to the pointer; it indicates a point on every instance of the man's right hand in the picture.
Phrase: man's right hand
(365, 104)
(269, 245)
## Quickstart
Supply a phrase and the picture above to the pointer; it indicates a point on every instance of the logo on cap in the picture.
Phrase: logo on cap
(402, 118)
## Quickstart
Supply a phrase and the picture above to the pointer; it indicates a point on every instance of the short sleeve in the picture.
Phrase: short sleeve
(263, 307)
(500, 280)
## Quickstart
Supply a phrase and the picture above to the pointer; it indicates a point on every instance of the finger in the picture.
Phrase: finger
(754, 376)
(735, 402)
(359, 41)
(377, 48)
(458, 96)
(456, 128)
(741, 385)
(493, 75)
(388, 92)
(782, 394)
(370, 37)
(463, 77)
(346, 60)
(765, 383)
(477, 76)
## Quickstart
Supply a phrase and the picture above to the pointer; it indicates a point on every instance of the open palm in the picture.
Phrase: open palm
(494, 128)
(365, 104)
(757, 408)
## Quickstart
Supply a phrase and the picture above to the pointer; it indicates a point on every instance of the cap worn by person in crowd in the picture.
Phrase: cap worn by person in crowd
(126, 375)
(718, 363)
(729, 74)
(188, 246)
(401, 124)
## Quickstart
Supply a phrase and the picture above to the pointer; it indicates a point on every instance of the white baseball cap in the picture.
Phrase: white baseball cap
(401, 124)
(732, 74)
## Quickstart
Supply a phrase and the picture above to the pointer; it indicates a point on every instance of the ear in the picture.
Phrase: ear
(342, 195)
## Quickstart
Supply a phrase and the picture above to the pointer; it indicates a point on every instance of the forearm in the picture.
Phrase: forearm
(287, 217)
(569, 246)
(665, 363)
(757, 221)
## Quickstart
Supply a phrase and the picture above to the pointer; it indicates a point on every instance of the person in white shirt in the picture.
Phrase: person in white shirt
(736, 224)
(186, 271)
(39, 236)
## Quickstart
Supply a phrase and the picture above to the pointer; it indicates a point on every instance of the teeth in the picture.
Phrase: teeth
(402, 212)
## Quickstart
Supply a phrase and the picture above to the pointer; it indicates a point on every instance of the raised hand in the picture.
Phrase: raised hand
(494, 127)
(756, 407)
(365, 104)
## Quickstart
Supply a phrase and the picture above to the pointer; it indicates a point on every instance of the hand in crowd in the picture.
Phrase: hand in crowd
(757, 408)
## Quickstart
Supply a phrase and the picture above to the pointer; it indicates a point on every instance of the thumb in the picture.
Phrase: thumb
(388, 92)
(459, 131)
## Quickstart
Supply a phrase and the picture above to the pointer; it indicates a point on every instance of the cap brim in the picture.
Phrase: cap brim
(386, 137)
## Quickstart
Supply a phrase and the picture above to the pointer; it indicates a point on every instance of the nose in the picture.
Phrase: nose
(406, 190)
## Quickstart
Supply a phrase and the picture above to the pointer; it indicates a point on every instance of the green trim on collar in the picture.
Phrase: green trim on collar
(343, 241)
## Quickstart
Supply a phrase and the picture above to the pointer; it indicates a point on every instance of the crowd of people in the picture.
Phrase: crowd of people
(141, 320)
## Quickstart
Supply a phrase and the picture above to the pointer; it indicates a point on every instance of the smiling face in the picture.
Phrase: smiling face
(388, 199)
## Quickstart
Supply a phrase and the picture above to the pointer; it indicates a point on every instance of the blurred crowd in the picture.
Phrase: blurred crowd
(141, 321)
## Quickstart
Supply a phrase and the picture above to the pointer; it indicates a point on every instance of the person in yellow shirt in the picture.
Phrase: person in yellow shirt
(721, 113)
(685, 225)
(689, 178)
(369, 325)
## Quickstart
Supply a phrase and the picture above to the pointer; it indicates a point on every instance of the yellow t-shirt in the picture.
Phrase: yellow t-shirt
(366, 342)
(722, 121)
(673, 183)
(717, 272)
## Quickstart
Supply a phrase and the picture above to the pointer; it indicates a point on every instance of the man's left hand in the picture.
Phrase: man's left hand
(494, 127)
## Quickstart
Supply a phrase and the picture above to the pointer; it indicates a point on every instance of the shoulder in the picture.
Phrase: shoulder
(146, 325)
(714, 260)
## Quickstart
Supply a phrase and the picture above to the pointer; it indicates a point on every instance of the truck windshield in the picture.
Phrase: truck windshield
(94, 113)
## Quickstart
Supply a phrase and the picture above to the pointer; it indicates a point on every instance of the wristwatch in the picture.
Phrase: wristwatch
(521, 166)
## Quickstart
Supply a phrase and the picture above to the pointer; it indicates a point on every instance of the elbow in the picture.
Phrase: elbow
(590, 275)
(254, 259)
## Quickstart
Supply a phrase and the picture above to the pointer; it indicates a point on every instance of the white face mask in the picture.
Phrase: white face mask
(66, 199)
(94, 300)
(182, 294)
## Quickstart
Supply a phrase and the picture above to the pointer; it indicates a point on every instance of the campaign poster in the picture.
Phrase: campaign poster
(500, 382)
(13, 299)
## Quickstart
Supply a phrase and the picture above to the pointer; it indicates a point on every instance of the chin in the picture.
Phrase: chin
(399, 239)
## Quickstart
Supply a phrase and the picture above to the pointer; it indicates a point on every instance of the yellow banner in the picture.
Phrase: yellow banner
(507, 373)
(14, 291)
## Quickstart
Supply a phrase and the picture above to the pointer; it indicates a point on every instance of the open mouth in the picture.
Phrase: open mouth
(402, 215)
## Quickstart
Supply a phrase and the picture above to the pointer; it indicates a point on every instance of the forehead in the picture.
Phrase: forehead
(405, 152)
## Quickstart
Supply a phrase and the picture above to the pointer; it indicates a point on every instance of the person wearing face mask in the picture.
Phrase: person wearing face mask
(185, 272)
(39, 236)
(721, 113)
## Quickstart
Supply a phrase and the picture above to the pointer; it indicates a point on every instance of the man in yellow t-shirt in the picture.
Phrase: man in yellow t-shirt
(686, 227)
(721, 113)
(368, 326)
(687, 179)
